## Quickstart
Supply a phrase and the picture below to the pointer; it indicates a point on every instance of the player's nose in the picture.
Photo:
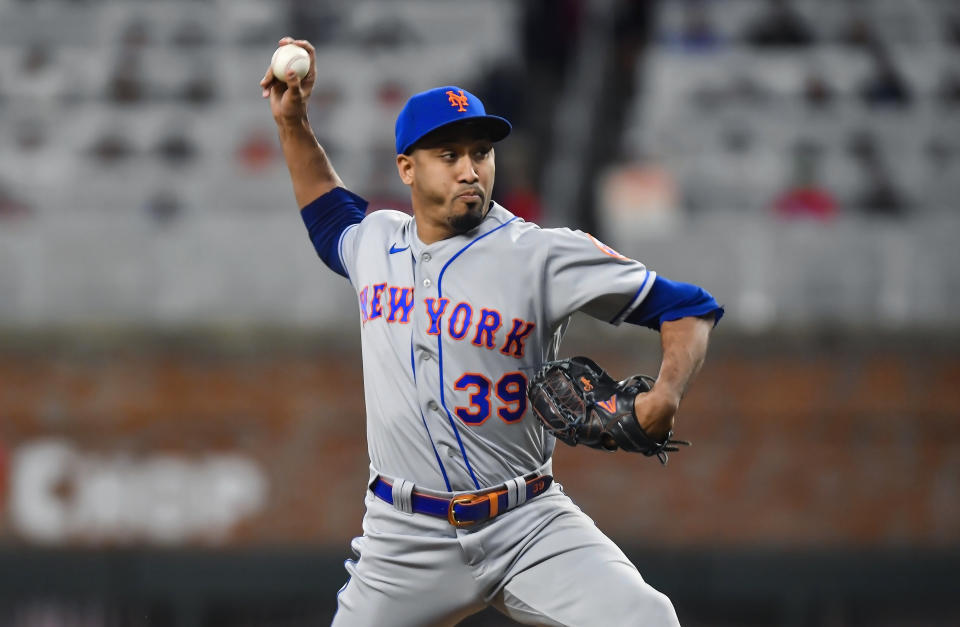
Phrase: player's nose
(466, 172)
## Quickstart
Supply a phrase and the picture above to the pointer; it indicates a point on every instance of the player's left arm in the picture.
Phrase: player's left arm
(684, 343)
(685, 315)
(581, 273)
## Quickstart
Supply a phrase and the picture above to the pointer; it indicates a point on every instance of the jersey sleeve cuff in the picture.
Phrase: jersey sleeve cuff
(695, 312)
(343, 235)
(648, 280)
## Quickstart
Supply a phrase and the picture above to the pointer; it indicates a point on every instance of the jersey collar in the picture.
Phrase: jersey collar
(407, 234)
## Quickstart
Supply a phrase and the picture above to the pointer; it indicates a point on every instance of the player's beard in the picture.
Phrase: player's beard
(468, 220)
(471, 218)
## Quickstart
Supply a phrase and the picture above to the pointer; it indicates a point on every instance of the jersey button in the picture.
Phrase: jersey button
(427, 257)
(432, 405)
(427, 282)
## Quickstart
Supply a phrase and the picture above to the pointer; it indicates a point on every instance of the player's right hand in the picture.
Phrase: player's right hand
(288, 100)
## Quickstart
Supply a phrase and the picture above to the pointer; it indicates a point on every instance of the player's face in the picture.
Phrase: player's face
(451, 178)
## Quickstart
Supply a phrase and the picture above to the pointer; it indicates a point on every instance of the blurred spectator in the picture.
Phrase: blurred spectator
(176, 149)
(257, 151)
(697, 32)
(391, 95)
(858, 32)
(524, 201)
(521, 197)
(779, 25)
(880, 196)
(126, 85)
(886, 87)
(164, 206)
(804, 196)
(46, 76)
(639, 197)
(37, 58)
(816, 92)
(111, 148)
(199, 90)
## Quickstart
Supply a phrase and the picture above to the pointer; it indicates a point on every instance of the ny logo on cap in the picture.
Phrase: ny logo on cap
(458, 100)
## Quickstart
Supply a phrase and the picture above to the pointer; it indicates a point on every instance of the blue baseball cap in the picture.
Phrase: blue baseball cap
(429, 110)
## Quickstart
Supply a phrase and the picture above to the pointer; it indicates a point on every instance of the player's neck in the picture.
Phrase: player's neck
(430, 233)
(431, 230)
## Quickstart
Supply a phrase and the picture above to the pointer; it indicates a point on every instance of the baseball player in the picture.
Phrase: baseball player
(460, 305)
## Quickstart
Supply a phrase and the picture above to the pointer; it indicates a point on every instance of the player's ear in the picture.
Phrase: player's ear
(405, 168)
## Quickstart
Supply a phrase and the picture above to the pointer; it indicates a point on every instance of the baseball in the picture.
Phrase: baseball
(290, 57)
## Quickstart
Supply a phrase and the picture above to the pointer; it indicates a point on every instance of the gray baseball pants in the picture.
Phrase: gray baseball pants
(543, 563)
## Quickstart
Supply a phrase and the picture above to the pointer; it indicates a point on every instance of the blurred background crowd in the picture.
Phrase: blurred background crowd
(181, 418)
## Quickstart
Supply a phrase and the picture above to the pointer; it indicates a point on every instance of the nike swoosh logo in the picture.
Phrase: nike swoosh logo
(394, 249)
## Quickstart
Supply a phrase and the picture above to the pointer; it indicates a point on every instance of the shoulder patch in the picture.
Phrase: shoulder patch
(606, 249)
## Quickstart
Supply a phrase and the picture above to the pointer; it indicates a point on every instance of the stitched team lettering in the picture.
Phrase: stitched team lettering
(459, 321)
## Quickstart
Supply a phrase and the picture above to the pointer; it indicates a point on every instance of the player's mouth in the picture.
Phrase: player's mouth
(470, 195)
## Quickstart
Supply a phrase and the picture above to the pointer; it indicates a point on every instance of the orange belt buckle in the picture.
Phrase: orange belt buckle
(466, 499)
(473, 499)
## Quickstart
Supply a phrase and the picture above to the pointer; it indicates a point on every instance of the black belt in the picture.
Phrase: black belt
(463, 509)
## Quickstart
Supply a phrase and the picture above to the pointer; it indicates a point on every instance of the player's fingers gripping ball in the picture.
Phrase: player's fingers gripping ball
(579, 403)
(290, 57)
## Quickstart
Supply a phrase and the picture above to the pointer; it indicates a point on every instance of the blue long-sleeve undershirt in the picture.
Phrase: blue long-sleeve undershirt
(671, 300)
(327, 218)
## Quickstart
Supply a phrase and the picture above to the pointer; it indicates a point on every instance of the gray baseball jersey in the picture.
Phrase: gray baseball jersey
(452, 331)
